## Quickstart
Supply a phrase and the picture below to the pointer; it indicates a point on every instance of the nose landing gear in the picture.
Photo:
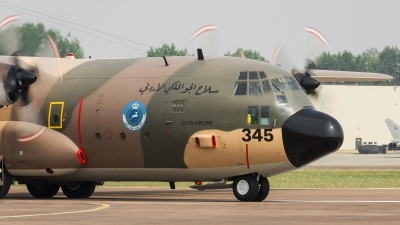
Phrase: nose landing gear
(246, 188)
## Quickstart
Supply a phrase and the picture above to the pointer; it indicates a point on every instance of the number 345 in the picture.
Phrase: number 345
(257, 135)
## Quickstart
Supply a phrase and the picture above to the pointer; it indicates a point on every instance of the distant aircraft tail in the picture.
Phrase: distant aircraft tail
(393, 128)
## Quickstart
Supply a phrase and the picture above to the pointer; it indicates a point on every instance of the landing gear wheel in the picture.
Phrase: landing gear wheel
(245, 188)
(79, 189)
(7, 180)
(264, 189)
(42, 191)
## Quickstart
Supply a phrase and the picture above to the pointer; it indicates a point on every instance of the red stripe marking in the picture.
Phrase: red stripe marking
(247, 156)
(276, 53)
(79, 131)
(12, 18)
(211, 27)
(28, 136)
(318, 34)
(54, 46)
(56, 53)
(206, 30)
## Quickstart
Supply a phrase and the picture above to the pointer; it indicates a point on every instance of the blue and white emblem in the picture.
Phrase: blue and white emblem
(134, 115)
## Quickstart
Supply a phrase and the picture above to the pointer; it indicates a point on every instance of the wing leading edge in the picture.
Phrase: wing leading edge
(347, 76)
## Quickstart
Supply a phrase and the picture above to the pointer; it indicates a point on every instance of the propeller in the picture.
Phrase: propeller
(18, 79)
(19, 73)
(205, 38)
(316, 43)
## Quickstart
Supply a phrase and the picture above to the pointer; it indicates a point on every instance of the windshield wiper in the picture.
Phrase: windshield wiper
(277, 88)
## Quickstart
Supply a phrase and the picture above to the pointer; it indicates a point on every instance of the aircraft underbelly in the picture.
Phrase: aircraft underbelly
(159, 174)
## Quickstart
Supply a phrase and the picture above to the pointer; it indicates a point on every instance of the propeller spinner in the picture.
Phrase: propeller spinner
(18, 79)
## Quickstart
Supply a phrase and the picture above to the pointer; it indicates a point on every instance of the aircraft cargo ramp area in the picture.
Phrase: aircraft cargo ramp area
(361, 110)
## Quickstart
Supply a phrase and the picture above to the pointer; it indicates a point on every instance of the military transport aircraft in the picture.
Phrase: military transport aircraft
(77, 122)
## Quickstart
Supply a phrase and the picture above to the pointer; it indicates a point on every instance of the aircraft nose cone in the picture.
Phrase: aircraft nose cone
(309, 135)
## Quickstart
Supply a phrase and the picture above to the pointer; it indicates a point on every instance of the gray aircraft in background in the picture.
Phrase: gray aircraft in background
(395, 131)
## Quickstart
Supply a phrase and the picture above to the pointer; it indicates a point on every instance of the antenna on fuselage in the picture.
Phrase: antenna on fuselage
(165, 60)
(200, 54)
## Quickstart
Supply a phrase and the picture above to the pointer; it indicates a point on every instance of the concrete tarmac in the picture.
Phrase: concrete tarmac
(186, 206)
(354, 160)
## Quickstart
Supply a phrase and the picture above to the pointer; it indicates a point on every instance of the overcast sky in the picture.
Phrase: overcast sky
(257, 25)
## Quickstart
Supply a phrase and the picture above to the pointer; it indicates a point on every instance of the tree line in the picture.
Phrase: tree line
(32, 39)
(372, 60)
(387, 61)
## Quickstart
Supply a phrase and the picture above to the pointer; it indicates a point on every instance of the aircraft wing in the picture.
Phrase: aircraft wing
(347, 76)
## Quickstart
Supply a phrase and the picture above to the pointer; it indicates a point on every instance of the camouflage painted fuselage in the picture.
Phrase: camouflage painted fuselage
(137, 119)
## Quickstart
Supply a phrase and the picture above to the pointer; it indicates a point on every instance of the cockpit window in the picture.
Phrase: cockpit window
(252, 115)
(284, 109)
(250, 83)
(264, 115)
(282, 104)
(266, 86)
(240, 88)
(293, 83)
(254, 88)
(262, 75)
(279, 84)
(281, 99)
(242, 76)
(253, 75)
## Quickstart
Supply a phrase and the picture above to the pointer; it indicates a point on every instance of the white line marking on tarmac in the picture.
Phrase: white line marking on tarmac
(334, 201)
(103, 206)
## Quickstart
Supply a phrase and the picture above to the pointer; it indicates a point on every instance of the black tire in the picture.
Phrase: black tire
(79, 189)
(43, 191)
(6, 182)
(245, 188)
(263, 190)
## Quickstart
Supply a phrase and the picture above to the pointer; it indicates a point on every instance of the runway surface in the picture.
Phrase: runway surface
(355, 160)
(186, 206)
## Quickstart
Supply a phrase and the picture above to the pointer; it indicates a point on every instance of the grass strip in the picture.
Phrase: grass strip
(324, 178)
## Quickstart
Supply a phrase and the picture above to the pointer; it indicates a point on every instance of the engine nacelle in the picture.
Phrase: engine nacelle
(33, 150)
(7, 97)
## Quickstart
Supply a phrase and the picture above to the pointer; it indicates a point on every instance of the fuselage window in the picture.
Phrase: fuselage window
(264, 115)
(293, 83)
(254, 88)
(252, 115)
(253, 75)
(279, 84)
(242, 76)
(266, 86)
(240, 88)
